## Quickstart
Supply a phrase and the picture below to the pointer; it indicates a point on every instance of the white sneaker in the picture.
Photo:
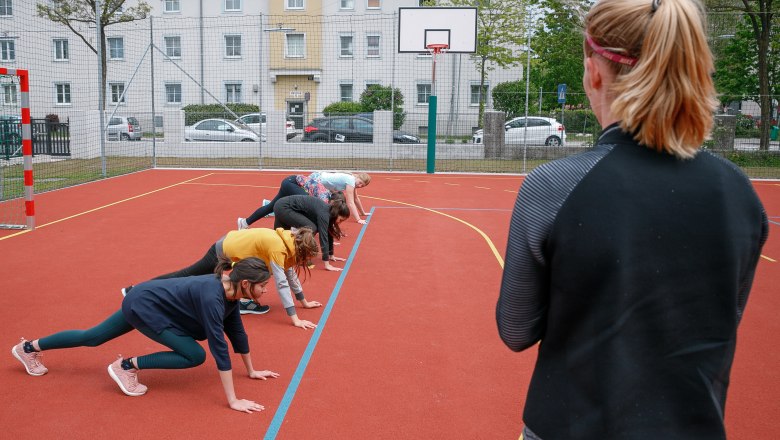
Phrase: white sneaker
(265, 202)
(242, 223)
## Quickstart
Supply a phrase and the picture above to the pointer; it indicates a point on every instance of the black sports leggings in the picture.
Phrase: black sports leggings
(204, 266)
(187, 353)
(289, 187)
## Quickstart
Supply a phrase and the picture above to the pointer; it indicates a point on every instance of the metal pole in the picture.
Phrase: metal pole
(527, 90)
(102, 92)
(151, 64)
(260, 96)
(540, 101)
(202, 75)
(431, 157)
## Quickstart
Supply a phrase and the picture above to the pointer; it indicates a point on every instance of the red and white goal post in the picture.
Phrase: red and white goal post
(26, 131)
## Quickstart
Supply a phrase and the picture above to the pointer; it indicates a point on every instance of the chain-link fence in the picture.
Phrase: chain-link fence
(289, 89)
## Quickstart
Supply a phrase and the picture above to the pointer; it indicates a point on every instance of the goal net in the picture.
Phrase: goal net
(16, 177)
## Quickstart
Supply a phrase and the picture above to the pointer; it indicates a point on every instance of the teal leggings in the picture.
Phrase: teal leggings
(187, 353)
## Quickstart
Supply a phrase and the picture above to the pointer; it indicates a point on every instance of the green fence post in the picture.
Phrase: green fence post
(431, 134)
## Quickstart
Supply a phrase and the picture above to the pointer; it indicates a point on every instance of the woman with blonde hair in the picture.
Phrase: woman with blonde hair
(284, 252)
(631, 263)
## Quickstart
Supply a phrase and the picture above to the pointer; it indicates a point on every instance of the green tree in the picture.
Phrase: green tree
(76, 13)
(379, 97)
(760, 51)
(509, 97)
(500, 33)
(557, 43)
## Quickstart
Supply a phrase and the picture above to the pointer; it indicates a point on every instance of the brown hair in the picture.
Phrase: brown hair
(251, 269)
(338, 208)
(306, 247)
(667, 99)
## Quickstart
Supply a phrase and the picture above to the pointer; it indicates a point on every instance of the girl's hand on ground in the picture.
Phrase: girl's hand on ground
(332, 258)
(304, 324)
(264, 374)
(246, 406)
(311, 304)
(361, 221)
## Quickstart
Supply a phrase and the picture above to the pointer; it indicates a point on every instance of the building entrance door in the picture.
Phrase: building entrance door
(295, 113)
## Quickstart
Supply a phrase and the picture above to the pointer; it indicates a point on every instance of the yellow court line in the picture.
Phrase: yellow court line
(422, 181)
(510, 191)
(452, 184)
(767, 258)
(231, 184)
(106, 206)
(481, 187)
(479, 231)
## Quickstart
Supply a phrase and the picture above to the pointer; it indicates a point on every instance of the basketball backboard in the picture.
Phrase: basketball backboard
(419, 27)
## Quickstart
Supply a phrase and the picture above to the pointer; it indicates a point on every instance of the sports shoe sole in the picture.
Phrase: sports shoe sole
(119, 382)
(255, 311)
(16, 355)
(124, 292)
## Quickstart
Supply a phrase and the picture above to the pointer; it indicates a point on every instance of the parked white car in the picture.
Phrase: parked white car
(256, 121)
(123, 128)
(541, 131)
(218, 130)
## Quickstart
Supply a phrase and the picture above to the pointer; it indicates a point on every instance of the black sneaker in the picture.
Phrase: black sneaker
(126, 290)
(251, 307)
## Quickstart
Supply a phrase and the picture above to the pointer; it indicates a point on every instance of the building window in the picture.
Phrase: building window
(6, 8)
(423, 93)
(63, 93)
(233, 92)
(9, 94)
(475, 94)
(117, 93)
(172, 6)
(372, 46)
(345, 42)
(294, 4)
(7, 50)
(233, 46)
(347, 4)
(61, 50)
(173, 93)
(116, 48)
(345, 92)
(173, 47)
(295, 46)
(373, 4)
(232, 5)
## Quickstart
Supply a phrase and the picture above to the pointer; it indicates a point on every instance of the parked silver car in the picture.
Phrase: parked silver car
(123, 128)
(218, 130)
(256, 121)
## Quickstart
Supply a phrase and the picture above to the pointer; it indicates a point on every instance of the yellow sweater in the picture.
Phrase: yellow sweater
(271, 246)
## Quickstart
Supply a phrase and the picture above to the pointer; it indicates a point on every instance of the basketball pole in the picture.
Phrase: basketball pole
(432, 104)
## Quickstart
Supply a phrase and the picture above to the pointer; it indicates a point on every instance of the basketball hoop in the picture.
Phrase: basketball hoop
(437, 48)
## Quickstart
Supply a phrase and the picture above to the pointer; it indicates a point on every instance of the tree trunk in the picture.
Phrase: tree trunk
(764, 100)
(482, 73)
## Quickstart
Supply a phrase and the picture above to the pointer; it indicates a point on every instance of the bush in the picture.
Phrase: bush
(342, 108)
(197, 112)
(379, 97)
(580, 121)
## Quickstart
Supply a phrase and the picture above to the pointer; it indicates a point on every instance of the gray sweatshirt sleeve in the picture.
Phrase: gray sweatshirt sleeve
(283, 285)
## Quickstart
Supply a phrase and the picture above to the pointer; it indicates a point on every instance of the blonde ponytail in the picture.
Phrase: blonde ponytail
(668, 98)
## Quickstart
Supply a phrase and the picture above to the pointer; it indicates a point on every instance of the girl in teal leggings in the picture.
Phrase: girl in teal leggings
(176, 313)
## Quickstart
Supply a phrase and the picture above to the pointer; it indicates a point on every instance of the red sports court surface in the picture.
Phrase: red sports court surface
(406, 345)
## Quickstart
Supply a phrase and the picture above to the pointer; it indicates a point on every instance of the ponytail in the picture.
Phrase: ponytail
(667, 98)
(306, 247)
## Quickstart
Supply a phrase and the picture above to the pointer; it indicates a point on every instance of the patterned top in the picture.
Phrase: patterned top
(313, 186)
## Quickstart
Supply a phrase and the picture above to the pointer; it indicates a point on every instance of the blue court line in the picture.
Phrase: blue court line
(281, 412)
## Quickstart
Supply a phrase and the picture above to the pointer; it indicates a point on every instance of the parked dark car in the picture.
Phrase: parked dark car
(349, 129)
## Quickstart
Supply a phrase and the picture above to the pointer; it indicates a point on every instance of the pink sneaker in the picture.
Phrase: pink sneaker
(31, 361)
(126, 379)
